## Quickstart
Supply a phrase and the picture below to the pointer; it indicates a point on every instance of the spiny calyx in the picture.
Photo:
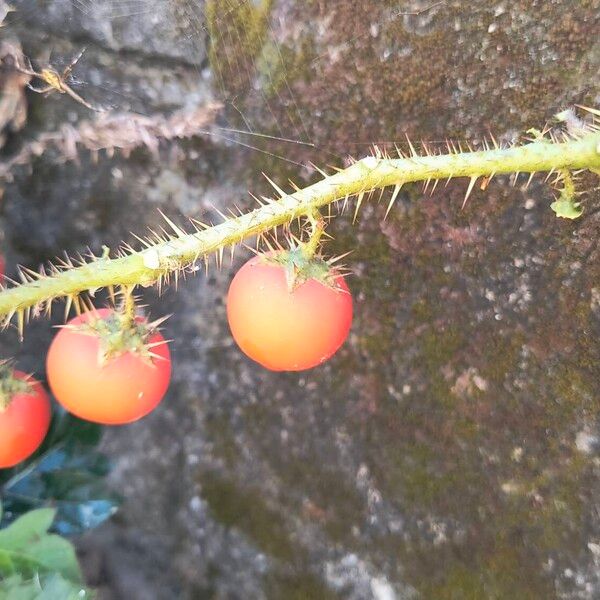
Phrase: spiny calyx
(119, 334)
(10, 385)
(300, 266)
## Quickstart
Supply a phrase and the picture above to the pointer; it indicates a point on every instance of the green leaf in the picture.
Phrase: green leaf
(54, 553)
(44, 587)
(68, 474)
(28, 528)
(27, 548)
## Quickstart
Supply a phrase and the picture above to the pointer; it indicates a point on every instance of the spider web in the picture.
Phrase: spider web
(263, 52)
(247, 52)
(247, 47)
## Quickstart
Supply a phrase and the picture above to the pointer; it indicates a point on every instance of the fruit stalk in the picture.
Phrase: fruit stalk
(128, 305)
(317, 225)
(148, 266)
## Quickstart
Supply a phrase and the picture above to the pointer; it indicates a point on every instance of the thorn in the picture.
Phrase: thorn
(359, 200)
(472, 182)
(87, 302)
(154, 235)
(550, 173)
(77, 304)
(8, 318)
(20, 323)
(412, 148)
(11, 280)
(345, 203)
(589, 109)
(530, 179)
(199, 224)
(276, 187)
(144, 242)
(68, 304)
(335, 259)
(157, 344)
(32, 274)
(325, 175)
(158, 322)
(268, 244)
(395, 193)
(258, 200)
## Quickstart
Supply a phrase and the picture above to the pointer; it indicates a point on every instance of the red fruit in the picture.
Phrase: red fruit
(24, 417)
(288, 323)
(101, 375)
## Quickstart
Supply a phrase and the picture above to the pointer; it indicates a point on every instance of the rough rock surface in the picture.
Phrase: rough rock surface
(450, 449)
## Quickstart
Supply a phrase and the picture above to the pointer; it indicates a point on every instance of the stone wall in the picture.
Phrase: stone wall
(450, 450)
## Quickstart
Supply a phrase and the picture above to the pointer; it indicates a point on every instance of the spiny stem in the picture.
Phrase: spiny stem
(150, 265)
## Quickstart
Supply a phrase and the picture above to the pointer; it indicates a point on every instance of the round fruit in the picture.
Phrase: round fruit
(24, 417)
(102, 373)
(286, 316)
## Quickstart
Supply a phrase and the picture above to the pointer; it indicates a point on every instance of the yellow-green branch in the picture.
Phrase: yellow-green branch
(149, 265)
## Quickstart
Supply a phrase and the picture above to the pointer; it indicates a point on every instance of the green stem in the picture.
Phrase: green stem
(128, 305)
(317, 224)
(371, 173)
(568, 184)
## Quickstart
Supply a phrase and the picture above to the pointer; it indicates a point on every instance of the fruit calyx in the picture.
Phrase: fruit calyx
(10, 385)
(119, 334)
(301, 266)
